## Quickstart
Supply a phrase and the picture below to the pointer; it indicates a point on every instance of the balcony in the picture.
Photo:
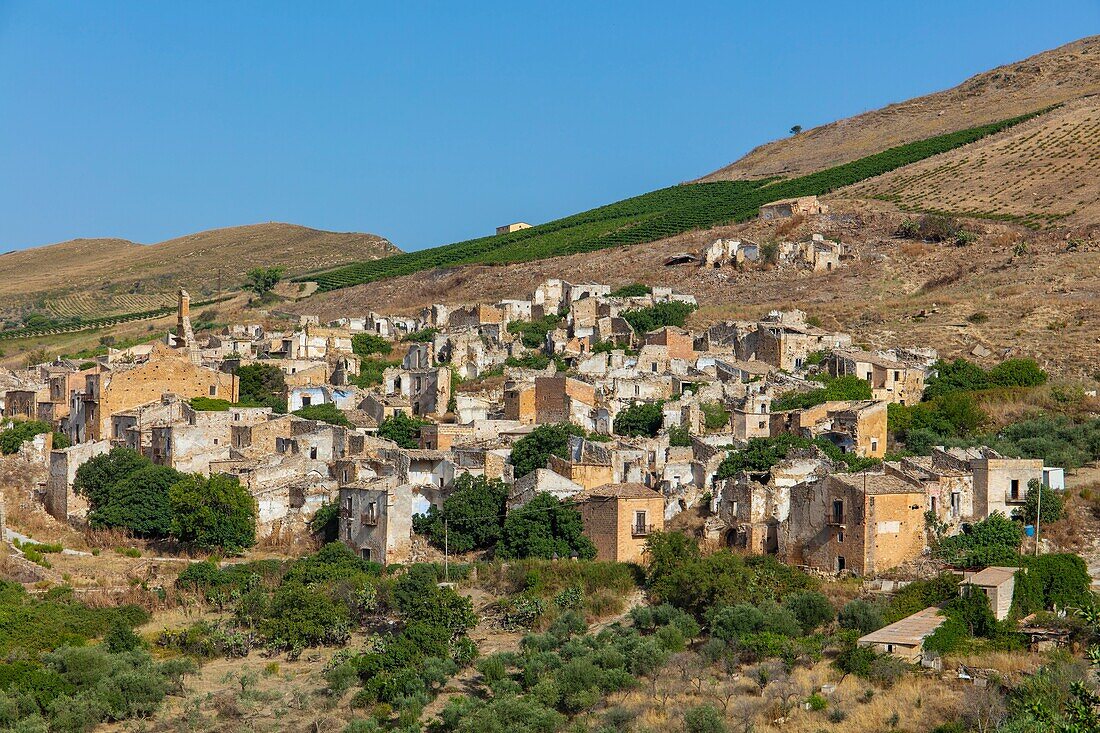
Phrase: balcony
(836, 519)
(1018, 498)
(369, 519)
(641, 530)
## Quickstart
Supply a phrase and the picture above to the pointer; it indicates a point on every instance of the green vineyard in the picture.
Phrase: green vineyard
(651, 216)
(88, 324)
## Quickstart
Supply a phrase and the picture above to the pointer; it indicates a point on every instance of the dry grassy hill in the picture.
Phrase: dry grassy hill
(1060, 75)
(86, 277)
(1040, 174)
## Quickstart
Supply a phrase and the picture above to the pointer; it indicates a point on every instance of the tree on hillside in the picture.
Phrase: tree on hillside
(139, 502)
(471, 517)
(262, 280)
(262, 384)
(213, 513)
(97, 477)
(533, 450)
(402, 429)
(547, 528)
(795, 129)
(640, 419)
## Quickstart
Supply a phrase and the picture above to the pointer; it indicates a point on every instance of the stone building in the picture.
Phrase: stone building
(107, 392)
(858, 523)
(890, 380)
(786, 208)
(619, 518)
(588, 464)
(376, 519)
(853, 426)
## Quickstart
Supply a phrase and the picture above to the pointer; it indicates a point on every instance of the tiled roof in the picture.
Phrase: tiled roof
(619, 491)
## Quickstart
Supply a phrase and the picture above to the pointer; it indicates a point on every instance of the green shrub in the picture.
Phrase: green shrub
(715, 416)
(812, 609)
(703, 719)
(402, 429)
(547, 528)
(679, 436)
(534, 449)
(215, 512)
(533, 333)
(634, 290)
(23, 430)
(848, 387)
(860, 616)
(327, 413)
(658, 315)
(366, 344)
(640, 419)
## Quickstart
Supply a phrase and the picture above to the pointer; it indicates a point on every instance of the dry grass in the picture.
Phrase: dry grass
(1040, 174)
(921, 701)
(1051, 77)
(86, 277)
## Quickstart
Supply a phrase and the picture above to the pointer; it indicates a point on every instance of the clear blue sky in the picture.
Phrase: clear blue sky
(434, 122)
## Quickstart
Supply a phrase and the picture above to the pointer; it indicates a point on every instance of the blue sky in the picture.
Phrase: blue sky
(434, 122)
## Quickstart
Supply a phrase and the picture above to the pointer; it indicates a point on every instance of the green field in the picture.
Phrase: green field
(649, 217)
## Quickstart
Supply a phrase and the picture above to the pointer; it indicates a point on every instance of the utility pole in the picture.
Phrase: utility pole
(446, 553)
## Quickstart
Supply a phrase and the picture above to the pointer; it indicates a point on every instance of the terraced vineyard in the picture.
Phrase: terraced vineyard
(652, 216)
(88, 324)
(1040, 175)
(83, 305)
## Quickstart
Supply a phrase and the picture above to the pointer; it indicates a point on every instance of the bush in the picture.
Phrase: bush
(992, 541)
(715, 416)
(545, 528)
(919, 595)
(139, 502)
(262, 384)
(967, 376)
(812, 609)
(659, 315)
(403, 430)
(634, 290)
(472, 517)
(678, 574)
(848, 387)
(533, 450)
(703, 719)
(679, 436)
(366, 344)
(533, 333)
(23, 430)
(1055, 581)
(327, 413)
(640, 419)
(215, 512)
(860, 616)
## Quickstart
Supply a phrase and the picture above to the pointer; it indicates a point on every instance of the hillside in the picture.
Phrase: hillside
(85, 277)
(1052, 77)
(1041, 174)
(653, 216)
(898, 291)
